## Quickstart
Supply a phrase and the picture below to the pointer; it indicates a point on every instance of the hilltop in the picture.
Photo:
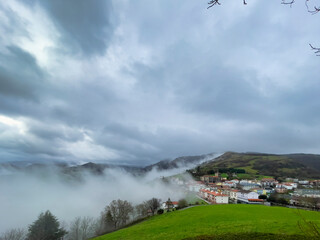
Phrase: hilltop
(260, 164)
(226, 221)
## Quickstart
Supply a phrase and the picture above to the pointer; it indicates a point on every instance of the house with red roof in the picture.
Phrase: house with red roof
(214, 197)
(169, 204)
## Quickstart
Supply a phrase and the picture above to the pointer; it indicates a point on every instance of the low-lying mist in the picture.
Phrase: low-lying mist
(24, 195)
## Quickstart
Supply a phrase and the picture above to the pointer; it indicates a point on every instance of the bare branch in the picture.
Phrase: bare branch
(315, 49)
(315, 10)
(285, 2)
(213, 2)
(288, 2)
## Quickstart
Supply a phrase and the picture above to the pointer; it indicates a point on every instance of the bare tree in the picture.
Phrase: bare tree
(81, 228)
(310, 202)
(153, 205)
(74, 231)
(14, 234)
(142, 209)
(118, 212)
(100, 226)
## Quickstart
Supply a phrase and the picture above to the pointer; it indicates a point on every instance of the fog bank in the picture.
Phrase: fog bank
(23, 195)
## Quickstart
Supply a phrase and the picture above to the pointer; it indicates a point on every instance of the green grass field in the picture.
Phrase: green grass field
(217, 219)
(193, 199)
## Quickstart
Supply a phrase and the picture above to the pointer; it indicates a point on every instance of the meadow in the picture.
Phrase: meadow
(220, 220)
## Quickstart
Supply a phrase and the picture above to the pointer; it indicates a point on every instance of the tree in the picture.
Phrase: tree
(100, 226)
(309, 202)
(81, 228)
(14, 234)
(111, 219)
(182, 203)
(263, 196)
(118, 213)
(160, 211)
(142, 209)
(169, 205)
(46, 227)
(282, 201)
(153, 204)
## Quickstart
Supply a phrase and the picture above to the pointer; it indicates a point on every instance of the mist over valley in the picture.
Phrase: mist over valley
(83, 190)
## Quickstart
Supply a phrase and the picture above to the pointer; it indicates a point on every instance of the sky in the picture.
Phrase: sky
(135, 82)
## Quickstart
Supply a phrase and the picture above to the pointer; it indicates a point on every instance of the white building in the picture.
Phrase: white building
(233, 194)
(249, 197)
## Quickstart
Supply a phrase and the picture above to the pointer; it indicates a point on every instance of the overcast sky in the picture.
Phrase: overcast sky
(139, 81)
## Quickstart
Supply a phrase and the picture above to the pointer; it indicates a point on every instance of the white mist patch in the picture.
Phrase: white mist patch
(155, 173)
(23, 196)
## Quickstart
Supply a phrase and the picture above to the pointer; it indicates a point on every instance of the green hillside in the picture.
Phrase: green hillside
(220, 220)
(256, 164)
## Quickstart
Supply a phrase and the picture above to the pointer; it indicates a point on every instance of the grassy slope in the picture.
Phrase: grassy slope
(216, 219)
(266, 164)
(192, 198)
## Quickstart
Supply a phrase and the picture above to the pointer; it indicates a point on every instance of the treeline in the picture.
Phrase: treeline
(119, 213)
(227, 170)
(199, 171)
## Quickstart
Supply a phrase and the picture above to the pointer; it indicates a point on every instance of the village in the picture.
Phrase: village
(215, 189)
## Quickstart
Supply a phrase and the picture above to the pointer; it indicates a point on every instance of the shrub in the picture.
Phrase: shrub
(160, 211)
(182, 203)
(262, 197)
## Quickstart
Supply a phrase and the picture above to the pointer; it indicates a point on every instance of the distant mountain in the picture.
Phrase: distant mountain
(180, 162)
(99, 168)
(254, 164)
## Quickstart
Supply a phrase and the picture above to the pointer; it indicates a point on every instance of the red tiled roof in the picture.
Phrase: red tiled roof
(217, 194)
(255, 200)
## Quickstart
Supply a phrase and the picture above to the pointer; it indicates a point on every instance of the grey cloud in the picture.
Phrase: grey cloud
(214, 82)
(54, 132)
(85, 25)
(20, 76)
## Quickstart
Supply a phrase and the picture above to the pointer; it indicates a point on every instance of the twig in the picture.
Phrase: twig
(315, 49)
(213, 2)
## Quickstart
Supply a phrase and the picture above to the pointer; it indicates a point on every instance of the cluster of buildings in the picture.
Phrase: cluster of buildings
(217, 190)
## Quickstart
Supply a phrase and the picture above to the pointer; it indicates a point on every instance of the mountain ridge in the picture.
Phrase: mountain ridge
(277, 165)
(99, 168)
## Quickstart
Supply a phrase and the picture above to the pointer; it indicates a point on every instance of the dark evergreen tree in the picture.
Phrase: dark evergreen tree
(46, 227)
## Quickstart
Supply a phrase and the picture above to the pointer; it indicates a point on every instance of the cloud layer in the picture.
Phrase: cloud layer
(137, 82)
(28, 193)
